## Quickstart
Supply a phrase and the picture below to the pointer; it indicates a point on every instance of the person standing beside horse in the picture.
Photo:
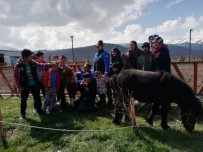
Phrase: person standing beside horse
(161, 55)
(129, 59)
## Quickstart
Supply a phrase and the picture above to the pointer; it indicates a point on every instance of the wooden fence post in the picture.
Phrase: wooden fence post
(1, 126)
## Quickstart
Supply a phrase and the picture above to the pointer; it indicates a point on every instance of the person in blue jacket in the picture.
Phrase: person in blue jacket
(79, 75)
(101, 59)
(102, 63)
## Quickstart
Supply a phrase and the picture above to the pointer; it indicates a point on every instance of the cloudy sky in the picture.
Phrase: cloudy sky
(48, 24)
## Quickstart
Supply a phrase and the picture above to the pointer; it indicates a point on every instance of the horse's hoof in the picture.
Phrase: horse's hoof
(149, 121)
(116, 122)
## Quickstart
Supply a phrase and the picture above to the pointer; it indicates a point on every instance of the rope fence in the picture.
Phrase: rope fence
(91, 130)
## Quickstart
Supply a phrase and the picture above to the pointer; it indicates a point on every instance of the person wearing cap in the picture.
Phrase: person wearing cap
(86, 101)
(102, 63)
(101, 59)
(145, 60)
(26, 80)
(161, 55)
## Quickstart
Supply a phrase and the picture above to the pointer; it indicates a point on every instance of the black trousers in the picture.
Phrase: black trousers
(42, 88)
(34, 90)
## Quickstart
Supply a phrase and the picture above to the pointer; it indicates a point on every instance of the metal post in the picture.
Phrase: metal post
(190, 45)
(72, 49)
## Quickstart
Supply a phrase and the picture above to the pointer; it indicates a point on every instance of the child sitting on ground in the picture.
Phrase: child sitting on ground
(51, 81)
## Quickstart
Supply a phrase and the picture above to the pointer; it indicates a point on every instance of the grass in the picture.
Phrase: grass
(151, 139)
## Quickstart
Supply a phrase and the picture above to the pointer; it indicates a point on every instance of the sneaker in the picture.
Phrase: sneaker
(22, 117)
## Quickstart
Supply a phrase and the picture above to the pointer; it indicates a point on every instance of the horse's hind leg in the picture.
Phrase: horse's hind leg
(164, 111)
(153, 111)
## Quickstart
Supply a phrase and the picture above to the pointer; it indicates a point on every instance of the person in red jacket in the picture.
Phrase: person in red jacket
(51, 81)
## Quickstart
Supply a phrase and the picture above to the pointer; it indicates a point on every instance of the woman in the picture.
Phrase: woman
(129, 59)
(161, 55)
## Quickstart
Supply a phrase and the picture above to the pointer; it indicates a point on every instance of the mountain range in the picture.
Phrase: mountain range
(87, 53)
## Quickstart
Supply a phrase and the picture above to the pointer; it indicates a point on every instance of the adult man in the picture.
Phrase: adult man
(26, 80)
(101, 63)
(101, 59)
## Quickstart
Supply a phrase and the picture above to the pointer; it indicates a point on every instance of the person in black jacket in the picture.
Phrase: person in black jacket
(145, 60)
(161, 55)
(129, 59)
(86, 102)
(26, 80)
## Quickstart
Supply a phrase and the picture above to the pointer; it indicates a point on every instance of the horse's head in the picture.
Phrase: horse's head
(189, 119)
(191, 113)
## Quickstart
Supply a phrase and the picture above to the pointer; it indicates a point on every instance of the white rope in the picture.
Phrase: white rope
(67, 130)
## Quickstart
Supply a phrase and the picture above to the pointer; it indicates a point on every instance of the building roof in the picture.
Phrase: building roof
(4, 48)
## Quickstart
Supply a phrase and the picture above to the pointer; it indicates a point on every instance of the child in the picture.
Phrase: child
(51, 81)
(86, 102)
(26, 80)
(101, 88)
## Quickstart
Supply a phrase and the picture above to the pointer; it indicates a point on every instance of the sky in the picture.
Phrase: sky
(48, 24)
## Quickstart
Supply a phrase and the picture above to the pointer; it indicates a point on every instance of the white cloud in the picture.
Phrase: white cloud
(170, 25)
(190, 22)
(35, 25)
(173, 2)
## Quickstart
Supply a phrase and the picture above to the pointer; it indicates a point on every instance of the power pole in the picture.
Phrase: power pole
(72, 49)
(190, 45)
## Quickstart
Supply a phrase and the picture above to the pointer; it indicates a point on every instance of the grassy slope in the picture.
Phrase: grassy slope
(148, 139)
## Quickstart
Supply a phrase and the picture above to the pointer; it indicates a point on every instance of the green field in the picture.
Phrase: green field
(19, 138)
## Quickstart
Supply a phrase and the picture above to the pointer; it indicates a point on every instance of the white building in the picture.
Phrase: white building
(9, 55)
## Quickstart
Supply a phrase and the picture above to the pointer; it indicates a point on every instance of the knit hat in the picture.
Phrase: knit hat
(152, 37)
(159, 40)
(146, 44)
(26, 53)
(100, 43)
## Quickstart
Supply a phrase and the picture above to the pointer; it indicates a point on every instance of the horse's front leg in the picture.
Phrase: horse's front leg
(119, 108)
(153, 111)
(164, 112)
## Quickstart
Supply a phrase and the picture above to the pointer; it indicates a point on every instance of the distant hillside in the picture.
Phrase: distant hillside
(82, 53)
(85, 53)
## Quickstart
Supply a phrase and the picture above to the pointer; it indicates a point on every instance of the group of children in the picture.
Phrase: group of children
(35, 75)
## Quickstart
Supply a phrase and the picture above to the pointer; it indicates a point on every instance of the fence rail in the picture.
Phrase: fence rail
(190, 72)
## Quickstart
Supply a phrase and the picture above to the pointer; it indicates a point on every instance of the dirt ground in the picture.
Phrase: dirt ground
(186, 70)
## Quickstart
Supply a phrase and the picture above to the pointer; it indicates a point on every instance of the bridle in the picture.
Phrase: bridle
(187, 114)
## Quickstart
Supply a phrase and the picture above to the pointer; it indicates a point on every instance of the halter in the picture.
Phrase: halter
(188, 113)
